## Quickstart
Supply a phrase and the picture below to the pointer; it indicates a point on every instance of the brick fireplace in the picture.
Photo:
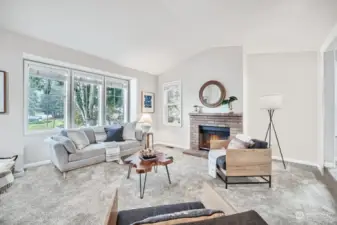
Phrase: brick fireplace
(231, 122)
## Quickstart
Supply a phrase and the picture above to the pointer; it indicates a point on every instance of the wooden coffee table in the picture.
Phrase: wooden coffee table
(145, 166)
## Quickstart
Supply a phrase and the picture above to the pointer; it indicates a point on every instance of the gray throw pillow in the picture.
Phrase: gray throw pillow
(99, 133)
(79, 138)
(181, 217)
(129, 131)
(90, 134)
(66, 142)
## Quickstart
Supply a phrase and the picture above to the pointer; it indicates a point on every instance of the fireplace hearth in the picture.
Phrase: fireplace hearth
(208, 133)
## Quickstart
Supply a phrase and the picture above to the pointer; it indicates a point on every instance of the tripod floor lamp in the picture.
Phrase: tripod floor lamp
(272, 103)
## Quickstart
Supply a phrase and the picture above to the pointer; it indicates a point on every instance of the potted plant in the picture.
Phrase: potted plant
(229, 102)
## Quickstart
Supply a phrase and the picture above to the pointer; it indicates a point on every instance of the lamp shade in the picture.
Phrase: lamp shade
(146, 118)
(274, 101)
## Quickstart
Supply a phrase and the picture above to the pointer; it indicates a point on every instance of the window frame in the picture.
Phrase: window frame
(126, 97)
(73, 104)
(27, 65)
(69, 107)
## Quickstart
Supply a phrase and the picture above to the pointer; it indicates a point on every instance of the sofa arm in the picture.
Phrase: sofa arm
(140, 135)
(59, 155)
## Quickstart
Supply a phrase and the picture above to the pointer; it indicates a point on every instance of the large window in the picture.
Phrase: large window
(58, 97)
(115, 100)
(46, 97)
(87, 91)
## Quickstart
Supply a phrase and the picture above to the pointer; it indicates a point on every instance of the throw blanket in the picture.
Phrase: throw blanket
(213, 157)
(6, 176)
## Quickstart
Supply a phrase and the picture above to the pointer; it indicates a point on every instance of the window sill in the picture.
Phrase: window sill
(40, 132)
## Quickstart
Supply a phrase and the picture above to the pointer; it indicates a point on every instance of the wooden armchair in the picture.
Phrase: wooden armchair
(244, 163)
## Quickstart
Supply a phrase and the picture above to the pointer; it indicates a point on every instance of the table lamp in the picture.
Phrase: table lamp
(271, 103)
(146, 122)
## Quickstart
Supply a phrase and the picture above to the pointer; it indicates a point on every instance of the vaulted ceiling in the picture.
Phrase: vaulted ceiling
(155, 35)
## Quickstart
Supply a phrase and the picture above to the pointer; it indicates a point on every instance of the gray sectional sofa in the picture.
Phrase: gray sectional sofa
(66, 155)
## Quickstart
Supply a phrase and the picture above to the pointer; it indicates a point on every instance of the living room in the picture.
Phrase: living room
(152, 67)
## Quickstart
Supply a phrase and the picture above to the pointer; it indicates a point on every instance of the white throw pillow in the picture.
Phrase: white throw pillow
(100, 133)
(79, 138)
(129, 131)
(236, 144)
(245, 139)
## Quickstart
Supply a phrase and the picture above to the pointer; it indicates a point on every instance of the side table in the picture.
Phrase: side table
(148, 135)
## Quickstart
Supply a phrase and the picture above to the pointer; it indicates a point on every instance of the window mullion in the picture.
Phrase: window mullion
(103, 103)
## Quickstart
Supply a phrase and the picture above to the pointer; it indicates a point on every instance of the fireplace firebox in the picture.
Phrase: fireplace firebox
(208, 133)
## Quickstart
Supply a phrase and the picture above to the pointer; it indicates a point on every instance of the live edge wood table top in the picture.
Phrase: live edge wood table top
(144, 166)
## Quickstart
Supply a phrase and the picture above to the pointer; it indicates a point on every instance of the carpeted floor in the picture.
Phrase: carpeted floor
(42, 196)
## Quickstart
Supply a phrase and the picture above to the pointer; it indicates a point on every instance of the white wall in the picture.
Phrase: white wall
(13, 140)
(223, 64)
(329, 106)
(295, 76)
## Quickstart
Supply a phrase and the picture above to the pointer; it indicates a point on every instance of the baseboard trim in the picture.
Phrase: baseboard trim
(171, 145)
(329, 165)
(20, 173)
(40, 163)
(278, 158)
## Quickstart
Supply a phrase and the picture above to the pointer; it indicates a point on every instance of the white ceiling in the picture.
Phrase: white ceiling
(155, 35)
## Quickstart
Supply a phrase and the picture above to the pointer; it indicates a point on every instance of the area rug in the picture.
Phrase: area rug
(42, 196)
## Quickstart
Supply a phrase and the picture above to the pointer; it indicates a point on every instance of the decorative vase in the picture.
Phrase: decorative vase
(230, 107)
(225, 108)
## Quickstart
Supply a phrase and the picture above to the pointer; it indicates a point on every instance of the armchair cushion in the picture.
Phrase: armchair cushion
(236, 144)
(259, 144)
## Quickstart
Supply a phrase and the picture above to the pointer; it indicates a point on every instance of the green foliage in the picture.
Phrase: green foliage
(87, 103)
(46, 95)
(40, 125)
(229, 100)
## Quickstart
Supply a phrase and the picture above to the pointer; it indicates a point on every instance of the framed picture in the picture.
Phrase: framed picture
(2, 92)
(172, 104)
(147, 102)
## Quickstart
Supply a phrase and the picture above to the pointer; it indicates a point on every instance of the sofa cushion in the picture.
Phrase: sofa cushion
(90, 134)
(68, 144)
(127, 217)
(88, 152)
(78, 137)
(129, 131)
(114, 134)
(100, 134)
(128, 144)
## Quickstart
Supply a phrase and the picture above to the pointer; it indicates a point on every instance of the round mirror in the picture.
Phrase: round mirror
(212, 93)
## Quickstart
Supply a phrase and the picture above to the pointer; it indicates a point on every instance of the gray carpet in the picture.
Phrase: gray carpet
(42, 196)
